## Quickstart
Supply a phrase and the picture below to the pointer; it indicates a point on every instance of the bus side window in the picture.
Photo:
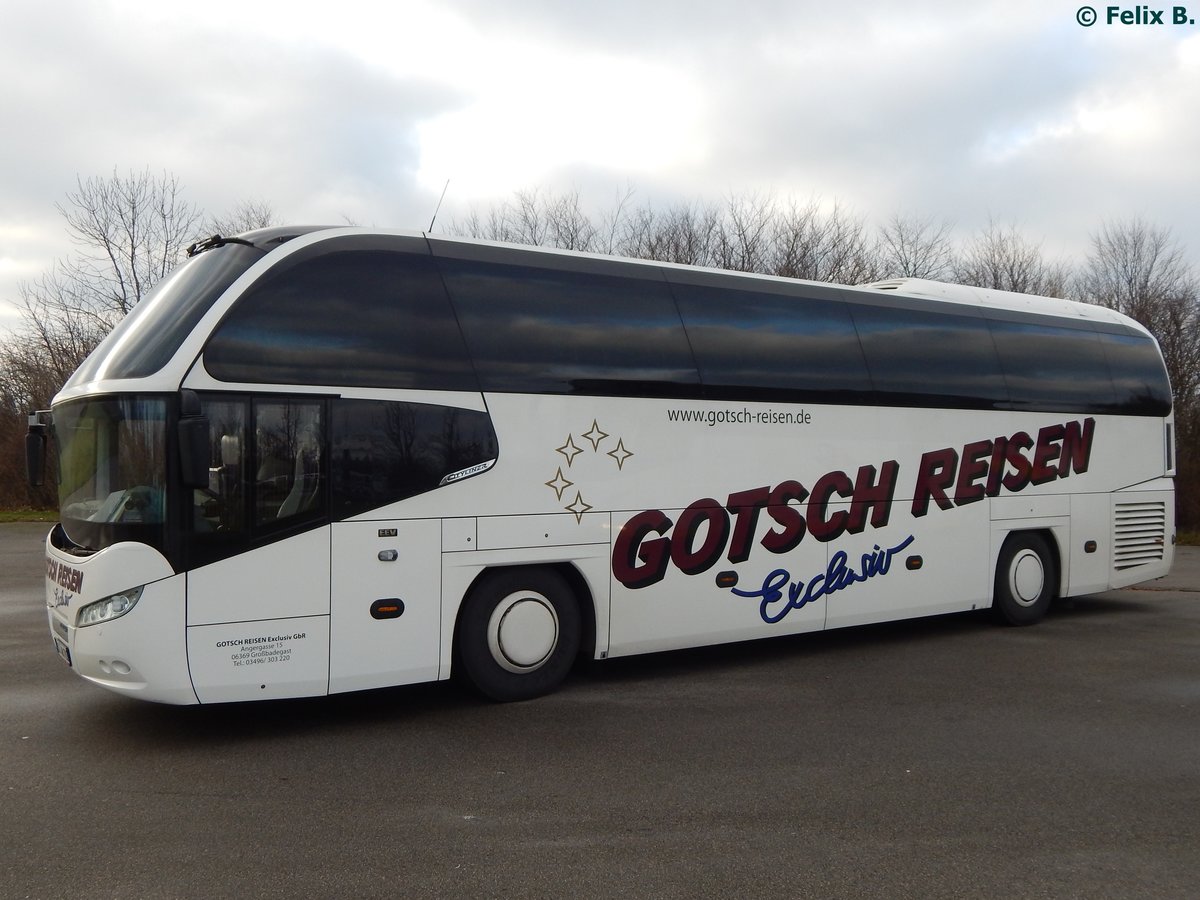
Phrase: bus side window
(386, 451)
(917, 357)
(288, 464)
(548, 328)
(1139, 379)
(222, 507)
(1050, 367)
(762, 345)
(367, 317)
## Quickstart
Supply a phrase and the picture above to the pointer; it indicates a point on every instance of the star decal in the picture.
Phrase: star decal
(595, 435)
(591, 472)
(620, 454)
(569, 450)
(578, 507)
(559, 483)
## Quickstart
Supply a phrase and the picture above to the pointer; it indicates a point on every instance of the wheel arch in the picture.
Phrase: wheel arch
(570, 573)
(1027, 576)
(1053, 544)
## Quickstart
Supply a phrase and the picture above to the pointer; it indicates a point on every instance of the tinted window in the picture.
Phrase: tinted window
(369, 318)
(221, 509)
(751, 343)
(288, 445)
(383, 452)
(1138, 375)
(555, 331)
(1053, 368)
(266, 475)
(925, 358)
(146, 339)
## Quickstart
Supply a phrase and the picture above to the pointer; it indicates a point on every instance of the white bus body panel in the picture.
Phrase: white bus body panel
(691, 611)
(265, 660)
(511, 532)
(1143, 531)
(367, 652)
(258, 623)
(583, 455)
(282, 580)
(900, 591)
(141, 653)
(1088, 573)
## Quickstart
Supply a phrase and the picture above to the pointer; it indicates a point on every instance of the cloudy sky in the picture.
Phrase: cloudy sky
(361, 111)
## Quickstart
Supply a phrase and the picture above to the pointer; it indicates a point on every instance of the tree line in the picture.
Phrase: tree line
(130, 230)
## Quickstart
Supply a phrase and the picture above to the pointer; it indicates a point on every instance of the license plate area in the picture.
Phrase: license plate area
(63, 650)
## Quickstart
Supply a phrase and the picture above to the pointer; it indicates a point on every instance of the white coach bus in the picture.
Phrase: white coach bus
(325, 460)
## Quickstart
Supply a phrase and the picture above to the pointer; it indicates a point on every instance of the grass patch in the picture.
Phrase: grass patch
(26, 514)
(1189, 538)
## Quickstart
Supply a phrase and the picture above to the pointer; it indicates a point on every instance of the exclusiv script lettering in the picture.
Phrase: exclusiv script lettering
(838, 576)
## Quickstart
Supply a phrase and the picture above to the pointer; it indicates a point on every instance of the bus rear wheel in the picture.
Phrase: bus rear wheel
(518, 634)
(1026, 579)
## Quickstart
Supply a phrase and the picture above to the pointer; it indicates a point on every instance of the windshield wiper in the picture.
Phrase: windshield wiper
(216, 241)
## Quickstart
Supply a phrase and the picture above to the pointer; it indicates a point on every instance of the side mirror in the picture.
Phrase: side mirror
(35, 454)
(193, 442)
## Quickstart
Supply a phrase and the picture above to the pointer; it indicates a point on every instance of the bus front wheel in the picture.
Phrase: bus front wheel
(518, 634)
(1026, 578)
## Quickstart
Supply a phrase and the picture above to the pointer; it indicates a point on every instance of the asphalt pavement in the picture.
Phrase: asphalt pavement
(943, 757)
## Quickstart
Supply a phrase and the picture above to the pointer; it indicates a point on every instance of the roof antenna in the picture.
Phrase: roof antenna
(439, 204)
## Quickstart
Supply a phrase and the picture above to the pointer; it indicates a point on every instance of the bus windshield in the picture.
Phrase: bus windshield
(146, 339)
(112, 470)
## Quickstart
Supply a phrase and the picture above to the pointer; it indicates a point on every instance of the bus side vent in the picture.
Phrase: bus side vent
(1140, 534)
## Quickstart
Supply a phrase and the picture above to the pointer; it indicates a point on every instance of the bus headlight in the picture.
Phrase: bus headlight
(109, 608)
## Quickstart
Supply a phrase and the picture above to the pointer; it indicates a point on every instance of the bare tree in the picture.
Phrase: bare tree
(811, 243)
(847, 256)
(524, 220)
(130, 231)
(569, 226)
(1001, 259)
(246, 216)
(915, 247)
(536, 219)
(686, 234)
(27, 382)
(1135, 268)
(744, 244)
(755, 233)
(748, 233)
(61, 322)
(1142, 271)
(612, 223)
